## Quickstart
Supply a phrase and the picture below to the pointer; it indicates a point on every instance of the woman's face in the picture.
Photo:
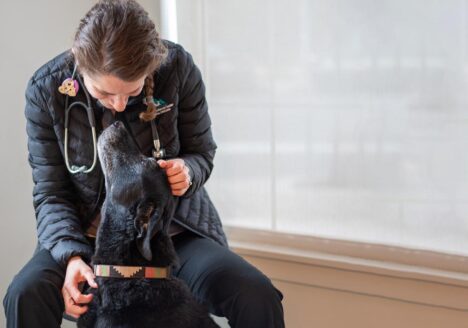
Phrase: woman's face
(112, 92)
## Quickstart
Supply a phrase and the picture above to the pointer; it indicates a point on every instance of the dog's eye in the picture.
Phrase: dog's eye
(146, 210)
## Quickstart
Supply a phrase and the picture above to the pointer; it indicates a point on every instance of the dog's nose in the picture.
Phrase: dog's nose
(118, 125)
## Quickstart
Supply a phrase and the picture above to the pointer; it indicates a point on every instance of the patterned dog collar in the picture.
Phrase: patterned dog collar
(120, 271)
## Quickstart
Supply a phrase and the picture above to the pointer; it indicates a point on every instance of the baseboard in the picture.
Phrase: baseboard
(400, 274)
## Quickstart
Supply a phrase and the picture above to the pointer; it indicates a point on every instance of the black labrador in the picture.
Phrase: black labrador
(134, 254)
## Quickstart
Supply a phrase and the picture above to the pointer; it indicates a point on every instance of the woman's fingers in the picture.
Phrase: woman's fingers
(89, 276)
(77, 271)
(172, 166)
(180, 185)
(178, 175)
(76, 310)
(71, 308)
(77, 296)
(179, 178)
(174, 170)
(179, 188)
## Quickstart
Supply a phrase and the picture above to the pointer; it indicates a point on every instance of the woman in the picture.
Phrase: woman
(120, 66)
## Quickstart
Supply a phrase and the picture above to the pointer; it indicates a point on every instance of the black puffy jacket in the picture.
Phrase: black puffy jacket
(65, 203)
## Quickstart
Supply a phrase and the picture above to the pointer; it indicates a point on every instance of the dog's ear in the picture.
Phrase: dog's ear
(169, 211)
(147, 223)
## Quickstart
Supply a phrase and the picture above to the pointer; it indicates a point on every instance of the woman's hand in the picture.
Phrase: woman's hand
(177, 174)
(75, 302)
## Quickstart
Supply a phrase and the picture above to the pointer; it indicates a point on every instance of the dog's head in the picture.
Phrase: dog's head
(137, 188)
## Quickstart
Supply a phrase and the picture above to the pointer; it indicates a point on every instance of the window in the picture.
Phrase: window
(337, 118)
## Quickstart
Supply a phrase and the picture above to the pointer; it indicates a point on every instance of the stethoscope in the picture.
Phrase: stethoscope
(70, 88)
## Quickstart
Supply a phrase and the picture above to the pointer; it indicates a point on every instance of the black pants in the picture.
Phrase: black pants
(222, 280)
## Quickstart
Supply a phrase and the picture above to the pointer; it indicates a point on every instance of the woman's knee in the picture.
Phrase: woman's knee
(257, 291)
(38, 281)
(229, 285)
(34, 297)
(243, 287)
(251, 301)
(29, 288)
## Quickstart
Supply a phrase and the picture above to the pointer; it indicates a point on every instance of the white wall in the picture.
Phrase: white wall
(31, 33)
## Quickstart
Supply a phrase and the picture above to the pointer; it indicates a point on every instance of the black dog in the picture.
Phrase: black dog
(132, 245)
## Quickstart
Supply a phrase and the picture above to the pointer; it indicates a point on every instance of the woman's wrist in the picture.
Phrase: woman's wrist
(74, 259)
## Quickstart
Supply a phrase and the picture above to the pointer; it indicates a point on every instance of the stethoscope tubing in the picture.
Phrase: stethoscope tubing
(73, 169)
(158, 152)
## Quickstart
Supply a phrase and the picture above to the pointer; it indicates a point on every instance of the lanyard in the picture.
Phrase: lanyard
(158, 152)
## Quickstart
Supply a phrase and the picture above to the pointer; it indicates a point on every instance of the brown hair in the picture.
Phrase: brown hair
(117, 37)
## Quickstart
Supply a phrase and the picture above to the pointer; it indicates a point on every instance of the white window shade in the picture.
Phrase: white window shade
(342, 119)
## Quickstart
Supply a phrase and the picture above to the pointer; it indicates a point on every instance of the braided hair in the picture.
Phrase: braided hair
(150, 113)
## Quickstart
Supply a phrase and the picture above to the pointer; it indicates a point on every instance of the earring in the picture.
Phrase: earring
(69, 87)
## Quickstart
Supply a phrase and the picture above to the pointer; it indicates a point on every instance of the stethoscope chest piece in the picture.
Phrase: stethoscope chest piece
(161, 154)
(158, 151)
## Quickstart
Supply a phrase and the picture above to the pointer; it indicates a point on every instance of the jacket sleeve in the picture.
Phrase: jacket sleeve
(58, 226)
(197, 145)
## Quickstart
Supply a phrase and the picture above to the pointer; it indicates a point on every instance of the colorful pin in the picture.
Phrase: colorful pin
(69, 87)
